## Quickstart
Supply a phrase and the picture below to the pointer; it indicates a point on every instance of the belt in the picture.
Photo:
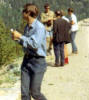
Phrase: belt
(27, 55)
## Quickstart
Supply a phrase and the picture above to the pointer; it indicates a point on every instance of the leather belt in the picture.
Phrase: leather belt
(27, 55)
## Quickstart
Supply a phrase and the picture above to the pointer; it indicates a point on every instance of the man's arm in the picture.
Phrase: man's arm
(45, 20)
(73, 20)
(32, 41)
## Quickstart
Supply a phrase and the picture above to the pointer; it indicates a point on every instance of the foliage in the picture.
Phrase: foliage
(11, 10)
(8, 48)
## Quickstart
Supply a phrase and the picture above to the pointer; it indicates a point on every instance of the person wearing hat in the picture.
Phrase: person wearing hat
(34, 44)
(47, 19)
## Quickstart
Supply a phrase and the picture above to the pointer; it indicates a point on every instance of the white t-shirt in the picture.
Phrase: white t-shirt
(74, 27)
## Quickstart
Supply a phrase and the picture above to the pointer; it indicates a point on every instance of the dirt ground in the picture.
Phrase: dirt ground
(70, 82)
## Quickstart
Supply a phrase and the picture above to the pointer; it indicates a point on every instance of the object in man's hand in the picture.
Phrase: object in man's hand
(12, 35)
(15, 34)
(49, 23)
(11, 30)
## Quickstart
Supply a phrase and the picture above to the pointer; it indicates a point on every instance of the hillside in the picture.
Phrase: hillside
(11, 10)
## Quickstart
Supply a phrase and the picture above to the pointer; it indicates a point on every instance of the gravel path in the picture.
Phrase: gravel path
(70, 82)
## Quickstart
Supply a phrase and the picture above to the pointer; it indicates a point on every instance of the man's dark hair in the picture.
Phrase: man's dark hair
(32, 9)
(46, 5)
(70, 10)
(58, 13)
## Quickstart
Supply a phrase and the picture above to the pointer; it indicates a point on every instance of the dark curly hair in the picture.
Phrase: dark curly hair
(70, 10)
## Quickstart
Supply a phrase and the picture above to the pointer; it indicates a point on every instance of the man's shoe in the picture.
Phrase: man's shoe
(75, 52)
(61, 65)
(56, 65)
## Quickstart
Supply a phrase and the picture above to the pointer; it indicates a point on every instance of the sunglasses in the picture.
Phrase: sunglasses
(47, 8)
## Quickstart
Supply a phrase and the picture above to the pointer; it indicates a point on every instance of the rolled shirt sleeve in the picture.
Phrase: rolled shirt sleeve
(34, 40)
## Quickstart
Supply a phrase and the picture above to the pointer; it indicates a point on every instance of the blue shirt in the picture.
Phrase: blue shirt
(34, 39)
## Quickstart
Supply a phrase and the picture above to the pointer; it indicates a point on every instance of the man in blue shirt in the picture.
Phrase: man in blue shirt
(34, 45)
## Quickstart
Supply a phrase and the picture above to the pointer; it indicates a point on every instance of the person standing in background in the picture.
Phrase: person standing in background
(47, 19)
(65, 45)
(60, 36)
(63, 16)
(34, 44)
(74, 29)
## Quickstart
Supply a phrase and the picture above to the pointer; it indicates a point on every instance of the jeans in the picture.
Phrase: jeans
(31, 78)
(59, 52)
(73, 35)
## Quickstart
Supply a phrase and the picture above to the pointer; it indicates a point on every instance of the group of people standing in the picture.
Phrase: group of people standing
(60, 31)
(54, 31)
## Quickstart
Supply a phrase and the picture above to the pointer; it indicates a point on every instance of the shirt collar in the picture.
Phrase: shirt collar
(34, 23)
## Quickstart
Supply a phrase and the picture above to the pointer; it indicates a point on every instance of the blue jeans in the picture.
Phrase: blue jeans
(32, 72)
(59, 52)
(73, 35)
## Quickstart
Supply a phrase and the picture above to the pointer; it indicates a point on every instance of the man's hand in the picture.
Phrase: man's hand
(16, 35)
(72, 23)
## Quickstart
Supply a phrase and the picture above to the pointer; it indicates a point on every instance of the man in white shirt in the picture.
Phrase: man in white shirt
(74, 28)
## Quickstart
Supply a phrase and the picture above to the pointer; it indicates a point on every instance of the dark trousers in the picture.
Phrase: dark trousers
(59, 52)
(32, 72)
